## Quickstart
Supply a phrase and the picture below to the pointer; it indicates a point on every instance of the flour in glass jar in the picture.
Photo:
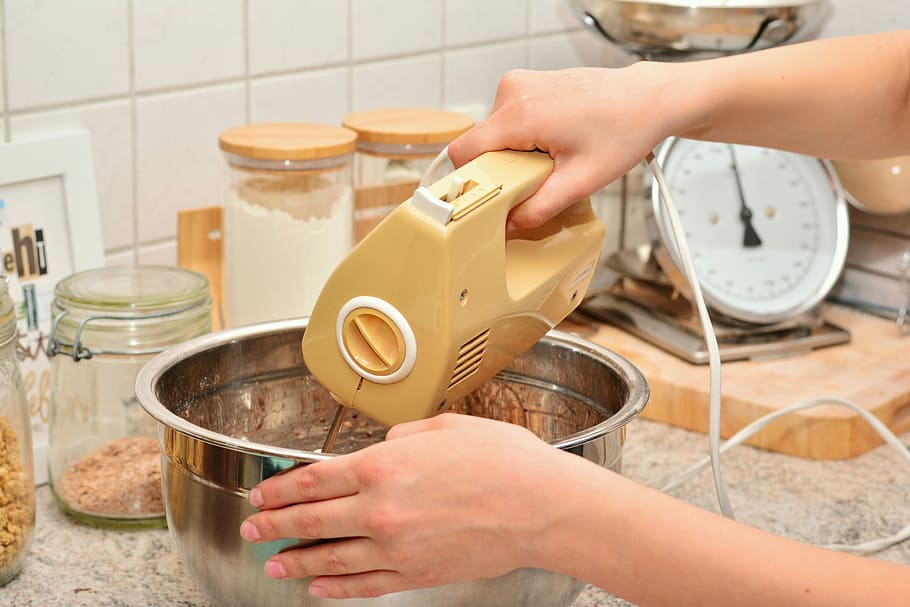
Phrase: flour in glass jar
(283, 237)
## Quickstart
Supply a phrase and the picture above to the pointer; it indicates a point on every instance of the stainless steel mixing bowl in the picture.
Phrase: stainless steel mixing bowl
(674, 31)
(236, 407)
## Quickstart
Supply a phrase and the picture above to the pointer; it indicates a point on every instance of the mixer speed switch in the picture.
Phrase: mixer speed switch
(376, 340)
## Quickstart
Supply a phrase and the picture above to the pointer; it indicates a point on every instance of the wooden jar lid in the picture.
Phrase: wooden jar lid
(288, 141)
(408, 125)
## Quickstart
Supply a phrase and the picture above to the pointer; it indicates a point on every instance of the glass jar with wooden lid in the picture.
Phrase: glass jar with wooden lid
(288, 216)
(394, 148)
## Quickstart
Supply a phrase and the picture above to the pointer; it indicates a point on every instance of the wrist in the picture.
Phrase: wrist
(576, 513)
(686, 96)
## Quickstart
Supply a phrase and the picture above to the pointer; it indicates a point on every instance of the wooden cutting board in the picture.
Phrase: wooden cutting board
(199, 248)
(873, 370)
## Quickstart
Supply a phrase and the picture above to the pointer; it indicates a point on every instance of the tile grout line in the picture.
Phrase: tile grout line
(65, 105)
(529, 35)
(7, 123)
(188, 88)
(134, 128)
(247, 92)
(443, 53)
(150, 243)
(350, 58)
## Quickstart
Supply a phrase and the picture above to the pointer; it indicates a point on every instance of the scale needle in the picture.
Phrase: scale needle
(750, 236)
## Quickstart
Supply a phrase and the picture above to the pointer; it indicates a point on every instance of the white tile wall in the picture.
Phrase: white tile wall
(121, 258)
(295, 34)
(112, 135)
(181, 42)
(156, 80)
(850, 17)
(559, 50)
(162, 254)
(552, 16)
(475, 21)
(63, 52)
(471, 75)
(178, 163)
(317, 96)
(413, 82)
(2, 76)
(380, 28)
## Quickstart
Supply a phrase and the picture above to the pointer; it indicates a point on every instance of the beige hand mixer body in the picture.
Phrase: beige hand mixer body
(437, 299)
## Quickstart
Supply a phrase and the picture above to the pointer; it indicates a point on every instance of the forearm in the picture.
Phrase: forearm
(655, 550)
(837, 98)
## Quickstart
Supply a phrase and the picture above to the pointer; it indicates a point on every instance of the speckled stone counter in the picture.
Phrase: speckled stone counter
(72, 565)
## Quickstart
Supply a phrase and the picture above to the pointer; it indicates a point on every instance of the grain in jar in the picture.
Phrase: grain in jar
(394, 148)
(288, 216)
(104, 462)
(17, 486)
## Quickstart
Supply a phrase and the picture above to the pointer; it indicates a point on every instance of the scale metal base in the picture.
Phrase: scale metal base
(665, 330)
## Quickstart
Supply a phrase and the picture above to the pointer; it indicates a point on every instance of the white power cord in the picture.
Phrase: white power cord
(760, 423)
(429, 176)
(714, 393)
(714, 389)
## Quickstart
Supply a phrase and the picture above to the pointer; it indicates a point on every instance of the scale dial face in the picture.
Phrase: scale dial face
(767, 230)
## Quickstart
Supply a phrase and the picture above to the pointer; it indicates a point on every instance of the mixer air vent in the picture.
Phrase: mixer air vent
(470, 356)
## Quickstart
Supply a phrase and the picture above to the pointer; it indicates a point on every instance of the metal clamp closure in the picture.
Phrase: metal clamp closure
(78, 352)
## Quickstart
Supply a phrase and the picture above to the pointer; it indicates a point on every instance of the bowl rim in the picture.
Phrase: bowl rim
(154, 369)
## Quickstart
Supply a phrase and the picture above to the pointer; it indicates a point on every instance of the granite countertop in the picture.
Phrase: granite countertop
(73, 565)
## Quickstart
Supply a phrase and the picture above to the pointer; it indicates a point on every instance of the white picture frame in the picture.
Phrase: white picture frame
(50, 227)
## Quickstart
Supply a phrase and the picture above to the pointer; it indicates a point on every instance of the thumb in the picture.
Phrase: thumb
(410, 428)
(500, 131)
(437, 422)
(568, 183)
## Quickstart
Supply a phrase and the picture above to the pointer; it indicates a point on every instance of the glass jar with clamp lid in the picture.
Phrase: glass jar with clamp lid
(103, 459)
(17, 485)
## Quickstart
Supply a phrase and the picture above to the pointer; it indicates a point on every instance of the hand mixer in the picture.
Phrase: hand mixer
(438, 298)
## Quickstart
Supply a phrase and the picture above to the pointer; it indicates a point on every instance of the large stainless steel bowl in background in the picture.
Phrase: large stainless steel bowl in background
(238, 406)
(674, 30)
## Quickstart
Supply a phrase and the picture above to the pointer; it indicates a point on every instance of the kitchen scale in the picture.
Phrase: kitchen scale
(768, 229)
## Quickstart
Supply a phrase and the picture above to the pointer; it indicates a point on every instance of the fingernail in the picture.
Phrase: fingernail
(510, 227)
(318, 591)
(256, 498)
(249, 532)
(275, 570)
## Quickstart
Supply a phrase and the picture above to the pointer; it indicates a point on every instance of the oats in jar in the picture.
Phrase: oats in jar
(17, 500)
